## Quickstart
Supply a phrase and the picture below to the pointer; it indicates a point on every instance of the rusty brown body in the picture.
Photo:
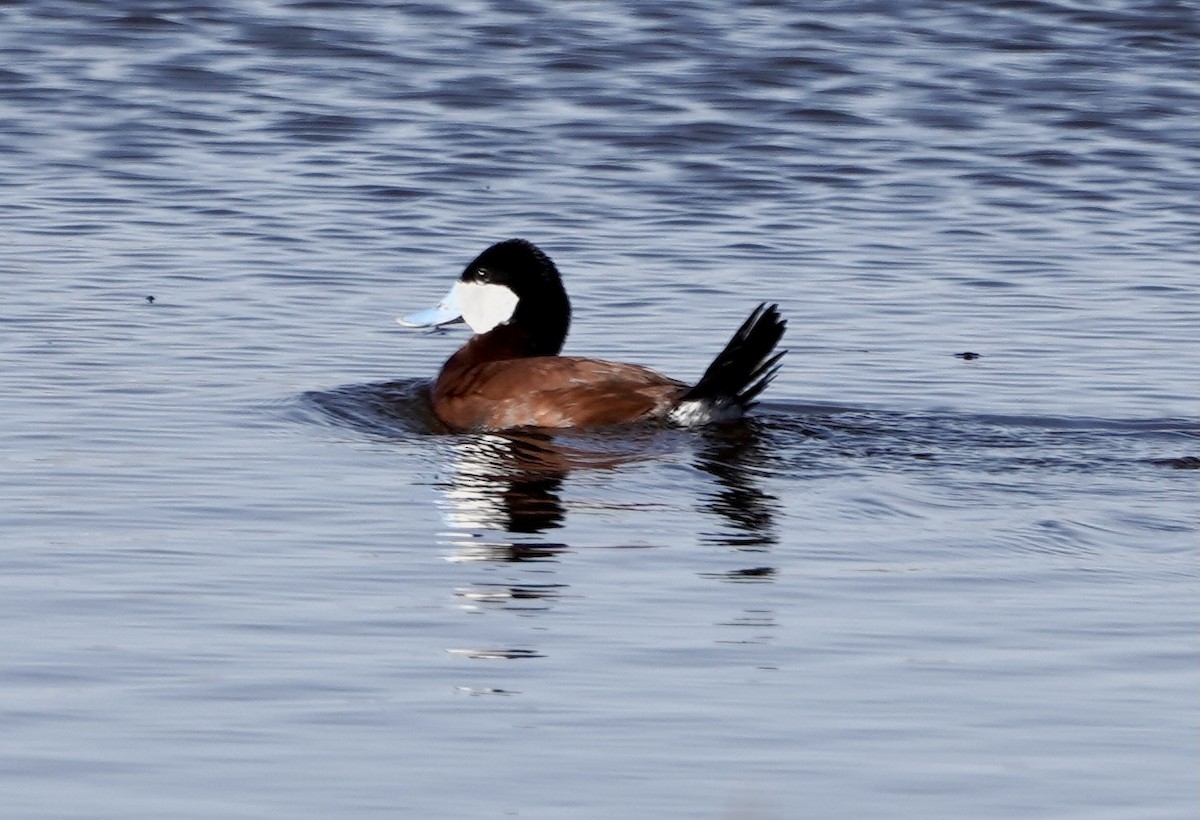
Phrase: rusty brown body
(484, 386)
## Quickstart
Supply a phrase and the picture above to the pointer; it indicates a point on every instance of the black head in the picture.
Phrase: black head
(543, 310)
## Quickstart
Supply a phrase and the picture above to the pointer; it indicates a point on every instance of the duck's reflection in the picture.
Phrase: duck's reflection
(505, 492)
(507, 482)
(505, 489)
(736, 456)
(512, 482)
(529, 597)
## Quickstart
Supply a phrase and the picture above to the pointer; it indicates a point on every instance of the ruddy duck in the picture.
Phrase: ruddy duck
(509, 374)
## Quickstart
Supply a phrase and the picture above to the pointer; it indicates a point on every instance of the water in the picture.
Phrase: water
(241, 578)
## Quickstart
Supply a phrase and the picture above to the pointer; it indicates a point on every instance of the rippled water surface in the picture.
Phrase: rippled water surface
(241, 575)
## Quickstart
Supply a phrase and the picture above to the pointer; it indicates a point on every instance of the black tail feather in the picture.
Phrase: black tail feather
(746, 366)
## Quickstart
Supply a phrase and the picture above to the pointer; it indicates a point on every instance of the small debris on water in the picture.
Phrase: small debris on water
(968, 356)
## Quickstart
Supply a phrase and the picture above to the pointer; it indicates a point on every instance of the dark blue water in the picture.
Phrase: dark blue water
(241, 577)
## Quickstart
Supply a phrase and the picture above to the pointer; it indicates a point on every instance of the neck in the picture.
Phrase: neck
(497, 345)
(503, 342)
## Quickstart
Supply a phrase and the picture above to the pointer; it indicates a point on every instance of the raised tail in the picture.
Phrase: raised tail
(742, 370)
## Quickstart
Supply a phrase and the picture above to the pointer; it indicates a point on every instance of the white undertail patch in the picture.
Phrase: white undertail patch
(698, 412)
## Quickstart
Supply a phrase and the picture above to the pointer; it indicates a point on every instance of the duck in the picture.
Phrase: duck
(511, 375)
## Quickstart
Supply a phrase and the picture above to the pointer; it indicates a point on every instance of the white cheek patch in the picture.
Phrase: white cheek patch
(485, 306)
